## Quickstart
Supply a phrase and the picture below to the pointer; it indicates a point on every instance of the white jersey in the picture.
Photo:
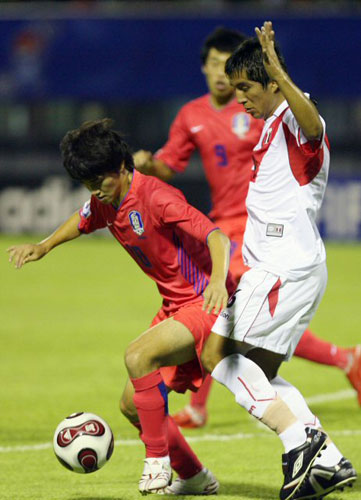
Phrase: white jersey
(285, 194)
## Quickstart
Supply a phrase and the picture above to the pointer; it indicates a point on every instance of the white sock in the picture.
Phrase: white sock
(293, 398)
(330, 456)
(295, 401)
(293, 436)
(247, 382)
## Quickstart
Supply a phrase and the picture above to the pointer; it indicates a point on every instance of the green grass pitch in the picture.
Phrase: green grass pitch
(65, 322)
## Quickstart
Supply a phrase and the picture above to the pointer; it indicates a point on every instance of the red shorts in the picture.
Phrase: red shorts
(188, 375)
(234, 228)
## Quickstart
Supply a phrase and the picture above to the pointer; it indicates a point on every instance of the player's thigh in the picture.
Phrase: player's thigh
(170, 343)
(218, 347)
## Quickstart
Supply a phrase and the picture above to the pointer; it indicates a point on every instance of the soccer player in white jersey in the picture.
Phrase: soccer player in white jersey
(278, 296)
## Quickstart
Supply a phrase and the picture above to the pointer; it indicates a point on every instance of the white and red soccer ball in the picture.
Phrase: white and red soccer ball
(83, 442)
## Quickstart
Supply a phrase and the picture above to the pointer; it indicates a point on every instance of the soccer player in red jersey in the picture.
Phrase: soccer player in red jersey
(225, 135)
(186, 255)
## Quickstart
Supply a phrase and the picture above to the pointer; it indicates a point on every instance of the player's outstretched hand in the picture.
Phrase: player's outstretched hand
(21, 254)
(266, 37)
(215, 297)
(143, 161)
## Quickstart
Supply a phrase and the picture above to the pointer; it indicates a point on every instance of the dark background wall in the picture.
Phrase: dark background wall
(138, 64)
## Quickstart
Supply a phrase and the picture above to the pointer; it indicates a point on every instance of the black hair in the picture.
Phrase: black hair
(222, 39)
(93, 150)
(248, 57)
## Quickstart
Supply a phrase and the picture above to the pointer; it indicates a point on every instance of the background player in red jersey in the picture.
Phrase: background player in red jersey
(225, 136)
(186, 255)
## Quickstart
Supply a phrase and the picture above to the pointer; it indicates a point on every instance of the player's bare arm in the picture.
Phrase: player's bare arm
(22, 254)
(303, 108)
(216, 295)
(146, 164)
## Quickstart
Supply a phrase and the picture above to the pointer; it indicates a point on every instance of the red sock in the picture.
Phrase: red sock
(151, 401)
(314, 349)
(182, 458)
(199, 398)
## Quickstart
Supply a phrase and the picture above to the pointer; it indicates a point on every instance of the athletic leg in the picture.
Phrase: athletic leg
(252, 390)
(329, 472)
(195, 414)
(169, 343)
(193, 478)
(320, 351)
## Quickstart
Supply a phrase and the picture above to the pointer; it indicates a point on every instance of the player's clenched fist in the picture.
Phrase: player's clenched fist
(142, 160)
(266, 37)
(21, 254)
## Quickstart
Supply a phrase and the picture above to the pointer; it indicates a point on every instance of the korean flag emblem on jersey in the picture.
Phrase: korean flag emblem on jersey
(136, 222)
(85, 211)
(240, 124)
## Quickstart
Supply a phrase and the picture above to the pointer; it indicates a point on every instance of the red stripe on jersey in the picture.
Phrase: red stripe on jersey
(305, 160)
(266, 142)
(273, 297)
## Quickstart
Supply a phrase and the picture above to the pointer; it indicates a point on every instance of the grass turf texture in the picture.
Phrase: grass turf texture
(65, 322)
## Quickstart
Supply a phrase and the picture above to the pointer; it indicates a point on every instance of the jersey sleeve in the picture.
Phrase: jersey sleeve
(170, 208)
(306, 158)
(307, 147)
(90, 218)
(179, 147)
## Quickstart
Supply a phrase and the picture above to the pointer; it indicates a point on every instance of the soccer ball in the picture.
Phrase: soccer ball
(83, 442)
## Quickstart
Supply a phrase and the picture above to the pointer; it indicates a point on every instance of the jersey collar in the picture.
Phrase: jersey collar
(278, 111)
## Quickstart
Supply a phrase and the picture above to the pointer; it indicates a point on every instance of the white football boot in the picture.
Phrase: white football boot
(157, 474)
(203, 483)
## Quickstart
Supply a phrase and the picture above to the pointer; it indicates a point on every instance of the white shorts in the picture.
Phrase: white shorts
(271, 313)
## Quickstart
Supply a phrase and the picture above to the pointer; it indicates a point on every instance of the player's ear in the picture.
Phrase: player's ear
(273, 86)
(203, 69)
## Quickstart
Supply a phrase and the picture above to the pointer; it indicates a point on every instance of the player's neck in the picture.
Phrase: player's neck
(280, 99)
(220, 102)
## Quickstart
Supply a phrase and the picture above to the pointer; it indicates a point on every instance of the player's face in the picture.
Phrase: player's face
(258, 101)
(217, 80)
(106, 188)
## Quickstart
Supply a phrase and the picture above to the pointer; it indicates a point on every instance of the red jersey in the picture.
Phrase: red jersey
(165, 235)
(225, 139)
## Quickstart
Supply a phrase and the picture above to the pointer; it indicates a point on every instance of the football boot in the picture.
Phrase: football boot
(298, 461)
(323, 480)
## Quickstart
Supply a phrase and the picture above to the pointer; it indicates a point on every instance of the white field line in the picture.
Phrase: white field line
(319, 398)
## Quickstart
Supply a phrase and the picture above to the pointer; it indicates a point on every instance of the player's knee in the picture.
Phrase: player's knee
(133, 357)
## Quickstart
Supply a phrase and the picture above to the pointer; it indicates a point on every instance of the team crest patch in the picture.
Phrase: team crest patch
(85, 211)
(240, 124)
(136, 222)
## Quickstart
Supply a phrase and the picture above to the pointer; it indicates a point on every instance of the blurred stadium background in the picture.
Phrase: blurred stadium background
(64, 62)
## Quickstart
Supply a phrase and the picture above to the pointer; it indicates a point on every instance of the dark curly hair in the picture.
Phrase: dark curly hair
(248, 57)
(93, 150)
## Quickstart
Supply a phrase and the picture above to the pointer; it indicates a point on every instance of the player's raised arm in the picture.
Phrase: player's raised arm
(145, 163)
(303, 108)
(22, 254)
(216, 295)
